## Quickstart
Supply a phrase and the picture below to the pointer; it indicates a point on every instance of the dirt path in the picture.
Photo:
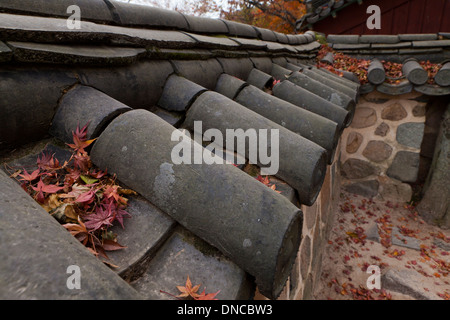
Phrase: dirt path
(412, 256)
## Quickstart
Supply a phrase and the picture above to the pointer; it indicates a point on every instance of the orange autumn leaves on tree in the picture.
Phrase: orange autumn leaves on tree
(276, 15)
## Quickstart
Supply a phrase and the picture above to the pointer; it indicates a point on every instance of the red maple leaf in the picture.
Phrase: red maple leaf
(47, 161)
(29, 177)
(79, 145)
(100, 219)
(110, 245)
(80, 133)
(111, 191)
(98, 174)
(47, 188)
(119, 210)
(209, 296)
(265, 180)
(86, 197)
(81, 160)
(79, 231)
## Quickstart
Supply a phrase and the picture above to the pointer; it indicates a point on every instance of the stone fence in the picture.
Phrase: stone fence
(388, 150)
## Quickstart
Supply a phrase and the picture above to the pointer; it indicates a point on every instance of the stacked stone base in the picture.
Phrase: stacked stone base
(317, 224)
(381, 153)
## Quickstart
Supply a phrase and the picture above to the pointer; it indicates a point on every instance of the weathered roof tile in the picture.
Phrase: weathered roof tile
(379, 38)
(418, 37)
(431, 43)
(72, 111)
(265, 34)
(38, 278)
(168, 64)
(74, 54)
(205, 73)
(184, 254)
(179, 93)
(206, 25)
(237, 29)
(211, 42)
(146, 230)
(93, 10)
(138, 77)
(5, 52)
(239, 68)
(146, 16)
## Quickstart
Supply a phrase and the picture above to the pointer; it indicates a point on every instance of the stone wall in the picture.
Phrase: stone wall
(387, 150)
(381, 150)
(317, 223)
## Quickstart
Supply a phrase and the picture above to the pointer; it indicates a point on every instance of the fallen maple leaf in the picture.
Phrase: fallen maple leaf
(80, 133)
(98, 174)
(101, 218)
(47, 188)
(265, 180)
(112, 191)
(82, 161)
(79, 231)
(86, 197)
(209, 296)
(47, 161)
(188, 290)
(79, 145)
(110, 245)
(29, 177)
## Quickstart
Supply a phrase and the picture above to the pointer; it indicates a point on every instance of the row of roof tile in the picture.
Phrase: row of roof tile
(433, 47)
(103, 71)
(129, 15)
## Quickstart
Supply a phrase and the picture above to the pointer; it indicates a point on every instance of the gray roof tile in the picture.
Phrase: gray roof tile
(146, 16)
(167, 65)
(74, 54)
(5, 52)
(40, 279)
(93, 10)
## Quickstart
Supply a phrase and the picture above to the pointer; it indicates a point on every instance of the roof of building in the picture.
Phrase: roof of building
(396, 16)
(408, 50)
(136, 74)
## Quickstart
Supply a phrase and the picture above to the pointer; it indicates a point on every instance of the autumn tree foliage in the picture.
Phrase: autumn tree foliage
(277, 15)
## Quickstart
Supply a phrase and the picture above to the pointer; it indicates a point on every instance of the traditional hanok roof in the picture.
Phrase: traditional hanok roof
(409, 50)
(136, 74)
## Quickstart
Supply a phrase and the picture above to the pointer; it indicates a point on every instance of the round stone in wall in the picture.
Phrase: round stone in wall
(364, 117)
(354, 140)
(357, 169)
(394, 112)
(410, 134)
(405, 166)
(382, 130)
(364, 188)
(305, 256)
(419, 110)
(377, 151)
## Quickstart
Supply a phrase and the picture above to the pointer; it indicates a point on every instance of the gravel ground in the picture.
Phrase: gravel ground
(413, 257)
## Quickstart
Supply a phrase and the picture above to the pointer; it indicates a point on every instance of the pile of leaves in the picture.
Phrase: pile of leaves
(87, 201)
(265, 180)
(352, 249)
(359, 67)
(431, 69)
(360, 292)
